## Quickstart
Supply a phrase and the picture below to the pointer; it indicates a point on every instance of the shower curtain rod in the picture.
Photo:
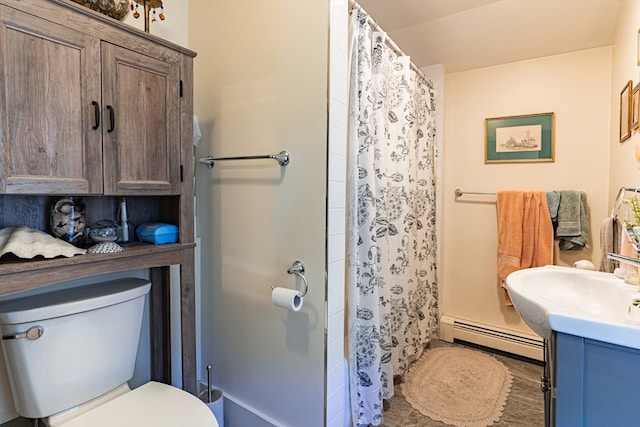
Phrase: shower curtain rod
(376, 27)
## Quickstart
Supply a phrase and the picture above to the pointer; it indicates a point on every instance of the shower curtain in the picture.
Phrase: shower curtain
(391, 272)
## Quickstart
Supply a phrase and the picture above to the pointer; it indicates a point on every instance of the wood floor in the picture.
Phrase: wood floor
(524, 408)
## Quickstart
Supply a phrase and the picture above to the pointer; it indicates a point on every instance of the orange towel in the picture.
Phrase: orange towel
(510, 205)
(525, 233)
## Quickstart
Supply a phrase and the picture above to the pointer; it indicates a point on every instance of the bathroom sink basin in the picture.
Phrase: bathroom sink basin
(583, 303)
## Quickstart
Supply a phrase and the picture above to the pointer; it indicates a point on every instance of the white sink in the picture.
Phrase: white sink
(584, 303)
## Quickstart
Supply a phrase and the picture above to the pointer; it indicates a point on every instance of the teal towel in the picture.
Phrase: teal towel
(568, 214)
(553, 203)
(573, 220)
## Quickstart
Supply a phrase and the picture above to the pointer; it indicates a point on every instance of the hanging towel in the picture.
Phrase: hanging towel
(573, 220)
(525, 233)
(610, 231)
(510, 205)
(553, 202)
(627, 249)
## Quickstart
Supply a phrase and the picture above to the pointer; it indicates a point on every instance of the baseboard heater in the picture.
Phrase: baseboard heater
(531, 346)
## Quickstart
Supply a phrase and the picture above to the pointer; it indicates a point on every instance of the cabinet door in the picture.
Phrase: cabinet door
(50, 81)
(141, 133)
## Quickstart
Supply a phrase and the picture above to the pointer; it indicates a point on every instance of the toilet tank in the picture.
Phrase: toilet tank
(88, 344)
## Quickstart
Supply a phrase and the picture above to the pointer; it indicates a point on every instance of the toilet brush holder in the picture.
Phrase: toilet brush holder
(216, 405)
(214, 399)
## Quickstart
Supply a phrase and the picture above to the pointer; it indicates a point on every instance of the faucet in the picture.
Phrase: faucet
(624, 258)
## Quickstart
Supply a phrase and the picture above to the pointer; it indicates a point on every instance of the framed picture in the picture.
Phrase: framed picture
(520, 138)
(625, 112)
(635, 107)
(638, 47)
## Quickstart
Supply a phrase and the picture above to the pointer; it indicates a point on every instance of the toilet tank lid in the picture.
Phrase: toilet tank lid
(71, 301)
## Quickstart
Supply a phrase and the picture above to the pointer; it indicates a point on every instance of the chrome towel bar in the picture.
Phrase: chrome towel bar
(283, 158)
(460, 193)
(620, 198)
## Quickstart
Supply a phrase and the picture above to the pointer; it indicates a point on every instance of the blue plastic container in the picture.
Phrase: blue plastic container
(158, 233)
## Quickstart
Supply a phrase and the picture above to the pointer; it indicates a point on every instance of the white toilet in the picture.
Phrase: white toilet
(70, 353)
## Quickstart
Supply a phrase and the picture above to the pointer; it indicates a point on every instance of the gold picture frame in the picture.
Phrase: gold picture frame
(635, 107)
(526, 138)
(638, 48)
(625, 111)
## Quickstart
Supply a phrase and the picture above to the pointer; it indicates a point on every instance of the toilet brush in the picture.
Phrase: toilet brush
(214, 399)
(208, 383)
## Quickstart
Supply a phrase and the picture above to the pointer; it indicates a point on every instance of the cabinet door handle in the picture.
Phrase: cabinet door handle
(112, 119)
(96, 114)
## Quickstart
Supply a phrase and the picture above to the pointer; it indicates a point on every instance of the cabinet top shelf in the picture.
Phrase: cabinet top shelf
(114, 22)
(21, 275)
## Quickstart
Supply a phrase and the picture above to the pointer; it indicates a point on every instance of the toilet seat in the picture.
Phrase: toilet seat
(153, 404)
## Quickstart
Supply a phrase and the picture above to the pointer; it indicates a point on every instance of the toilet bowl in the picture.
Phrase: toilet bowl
(70, 353)
(152, 404)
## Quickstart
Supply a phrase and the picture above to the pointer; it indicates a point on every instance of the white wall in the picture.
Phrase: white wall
(175, 26)
(261, 78)
(337, 386)
(576, 86)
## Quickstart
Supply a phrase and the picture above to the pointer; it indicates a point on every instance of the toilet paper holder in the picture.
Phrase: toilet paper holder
(298, 269)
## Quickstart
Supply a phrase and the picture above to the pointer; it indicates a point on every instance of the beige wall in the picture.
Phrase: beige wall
(624, 171)
(576, 86)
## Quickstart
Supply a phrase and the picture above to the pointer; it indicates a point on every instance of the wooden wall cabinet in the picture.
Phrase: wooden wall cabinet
(141, 129)
(83, 115)
(93, 107)
(51, 77)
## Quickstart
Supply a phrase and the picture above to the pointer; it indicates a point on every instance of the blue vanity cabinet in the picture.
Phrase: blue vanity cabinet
(597, 384)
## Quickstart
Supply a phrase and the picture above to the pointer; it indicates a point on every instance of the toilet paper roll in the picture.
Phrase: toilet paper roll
(286, 298)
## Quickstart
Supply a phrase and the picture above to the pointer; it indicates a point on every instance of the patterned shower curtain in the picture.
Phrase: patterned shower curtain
(391, 273)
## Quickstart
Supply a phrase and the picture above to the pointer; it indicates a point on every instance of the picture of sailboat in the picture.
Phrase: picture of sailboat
(518, 138)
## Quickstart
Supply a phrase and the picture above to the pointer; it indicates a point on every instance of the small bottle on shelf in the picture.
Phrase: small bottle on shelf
(124, 221)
